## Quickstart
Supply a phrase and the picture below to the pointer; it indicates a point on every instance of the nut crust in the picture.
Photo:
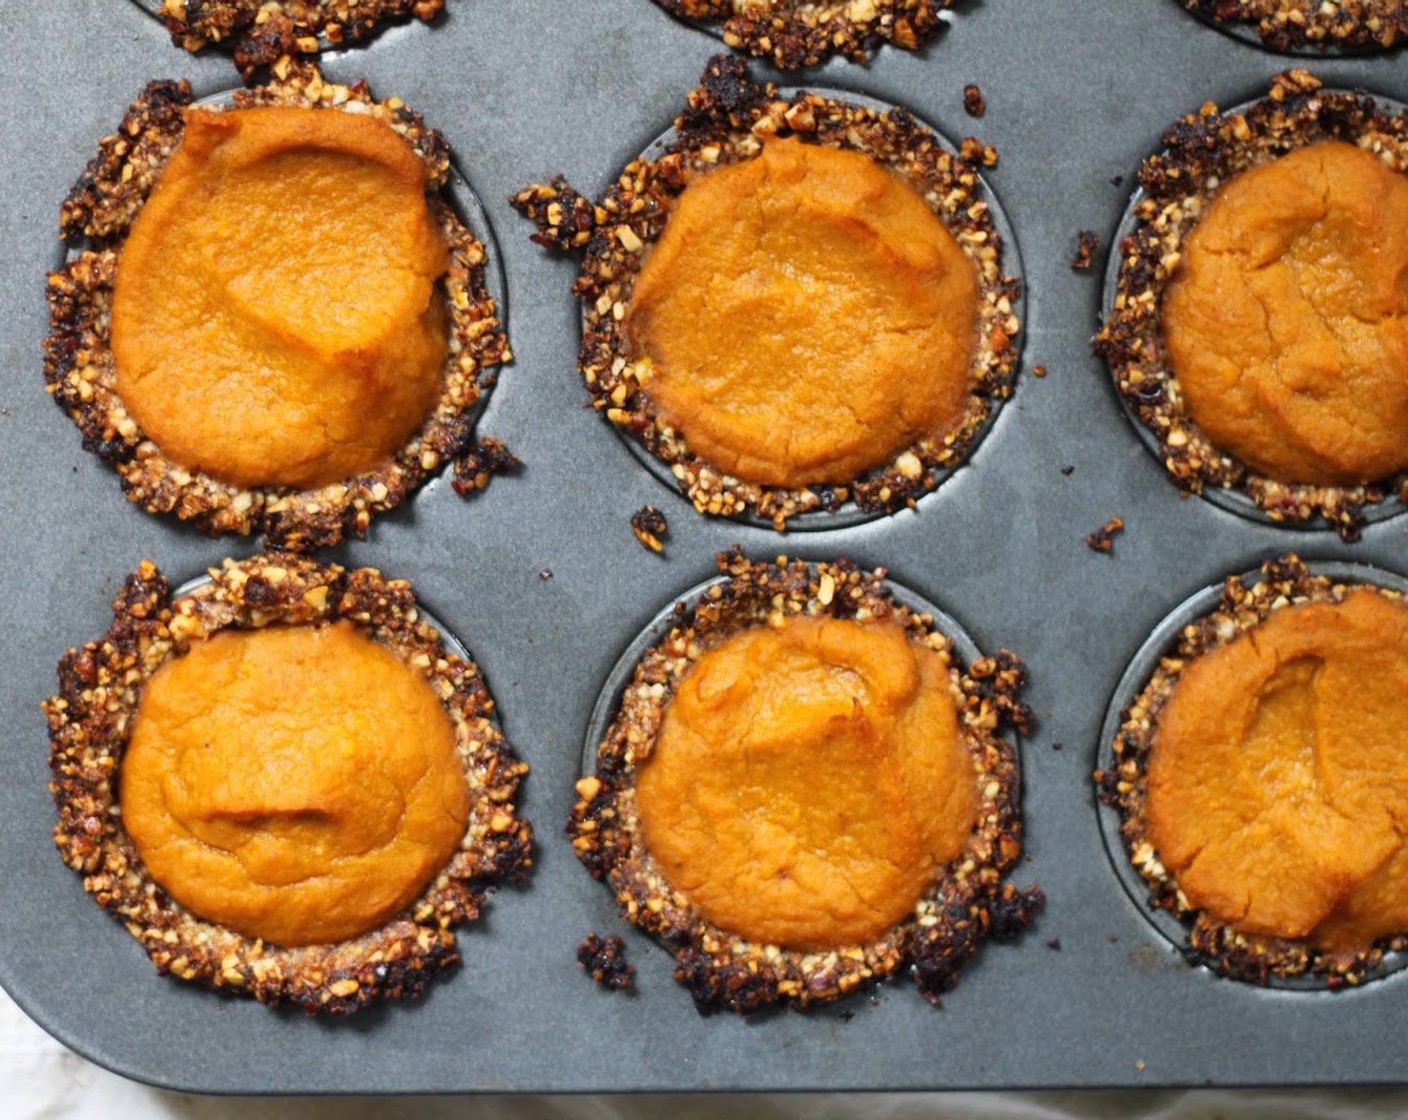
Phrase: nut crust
(79, 369)
(797, 33)
(90, 719)
(725, 121)
(263, 31)
(1296, 24)
(968, 901)
(1202, 151)
(1283, 582)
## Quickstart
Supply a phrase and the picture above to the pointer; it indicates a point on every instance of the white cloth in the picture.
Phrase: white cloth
(41, 1080)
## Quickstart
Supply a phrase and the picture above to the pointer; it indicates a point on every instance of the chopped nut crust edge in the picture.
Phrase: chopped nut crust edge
(79, 369)
(263, 31)
(1296, 24)
(968, 901)
(797, 33)
(726, 120)
(1244, 605)
(100, 687)
(1202, 151)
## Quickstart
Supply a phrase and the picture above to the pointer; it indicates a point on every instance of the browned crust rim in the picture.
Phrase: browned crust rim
(794, 34)
(1295, 24)
(263, 31)
(1244, 605)
(725, 120)
(1202, 151)
(100, 687)
(968, 902)
(80, 373)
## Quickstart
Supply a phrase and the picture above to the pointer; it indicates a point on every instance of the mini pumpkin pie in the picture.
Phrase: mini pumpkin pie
(1286, 25)
(797, 33)
(803, 790)
(277, 322)
(1259, 328)
(800, 303)
(283, 784)
(263, 31)
(1262, 778)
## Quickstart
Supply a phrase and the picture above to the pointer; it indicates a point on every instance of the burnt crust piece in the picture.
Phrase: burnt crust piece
(604, 959)
(1284, 582)
(968, 902)
(1295, 24)
(79, 369)
(261, 32)
(90, 719)
(725, 121)
(1200, 152)
(797, 33)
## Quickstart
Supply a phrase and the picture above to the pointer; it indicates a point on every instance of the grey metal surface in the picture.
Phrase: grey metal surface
(1078, 91)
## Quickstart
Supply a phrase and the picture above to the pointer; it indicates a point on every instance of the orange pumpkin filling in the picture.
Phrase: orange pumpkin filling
(806, 316)
(276, 318)
(1287, 322)
(295, 784)
(808, 782)
(1278, 776)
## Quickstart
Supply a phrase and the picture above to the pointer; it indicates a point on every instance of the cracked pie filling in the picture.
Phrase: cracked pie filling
(797, 33)
(1260, 324)
(283, 784)
(1294, 24)
(803, 791)
(279, 323)
(1261, 782)
(800, 303)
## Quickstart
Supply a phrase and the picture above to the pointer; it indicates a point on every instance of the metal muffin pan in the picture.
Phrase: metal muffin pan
(1078, 92)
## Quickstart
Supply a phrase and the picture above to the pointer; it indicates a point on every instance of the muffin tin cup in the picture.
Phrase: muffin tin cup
(1224, 497)
(1160, 643)
(850, 514)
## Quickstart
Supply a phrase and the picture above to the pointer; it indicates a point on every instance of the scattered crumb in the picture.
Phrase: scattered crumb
(1068, 470)
(649, 525)
(1117, 181)
(545, 574)
(847, 1016)
(480, 463)
(1140, 1066)
(975, 151)
(1087, 245)
(1103, 539)
(1054, 944)
(973, 103)
(1038, 371)
(604, 958)
(1058, 746)
(1114, 940)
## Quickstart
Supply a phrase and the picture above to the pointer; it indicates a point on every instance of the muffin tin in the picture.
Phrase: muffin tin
(542, 578)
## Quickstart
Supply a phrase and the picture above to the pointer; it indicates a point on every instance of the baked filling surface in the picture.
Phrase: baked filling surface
(1287, 323)
(746, 307)
(809, 781)
(296, 784)
(277, 319)
(1278, 775)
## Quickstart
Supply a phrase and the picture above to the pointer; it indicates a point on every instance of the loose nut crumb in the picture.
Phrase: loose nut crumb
(649, 525)
(1087, 245)
(973, 102)
(476, 467)
(1038, 371)
(604, 958)
(1103, 539)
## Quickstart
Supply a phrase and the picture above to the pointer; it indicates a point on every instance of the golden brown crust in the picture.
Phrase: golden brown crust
(797, 33)
(725, 120)
(263, 31)
(967, 903)
(100, 687)
(80, 372)
(1283, 582)
(1202, 151)
(1286, 25)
